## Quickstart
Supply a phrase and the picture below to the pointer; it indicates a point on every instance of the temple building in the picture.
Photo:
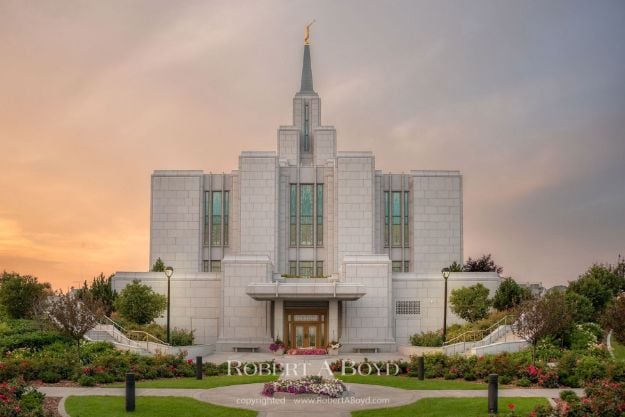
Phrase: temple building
(306, 244)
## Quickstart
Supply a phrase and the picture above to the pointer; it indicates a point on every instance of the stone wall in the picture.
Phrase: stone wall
(244, 322)
(195, 299)
(428, 290)
(354, 196)
(367, 322)
(437, 220)
(258, 179)
(176, 224)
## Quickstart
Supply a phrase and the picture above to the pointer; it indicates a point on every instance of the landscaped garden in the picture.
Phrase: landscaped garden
(456, 407)
(101, 406)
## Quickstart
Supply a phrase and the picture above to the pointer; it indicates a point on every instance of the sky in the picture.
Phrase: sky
(525, 98)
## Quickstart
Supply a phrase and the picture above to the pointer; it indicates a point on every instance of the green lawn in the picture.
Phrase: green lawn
(101, 406)
(207, 382)
(453, 407)
(411, 383)
(618, 349)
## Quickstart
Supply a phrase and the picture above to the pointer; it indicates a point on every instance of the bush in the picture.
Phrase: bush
(87, 381)
(523, 382)
(181, 337)
(431, 339)
(469, 376)
(569, 396)
(584, 336)
(139, 303)
(590, 368)
(20, 400)
(50, 377)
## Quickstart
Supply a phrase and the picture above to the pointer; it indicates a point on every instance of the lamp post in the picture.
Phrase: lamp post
(445, 272)
(169, 271)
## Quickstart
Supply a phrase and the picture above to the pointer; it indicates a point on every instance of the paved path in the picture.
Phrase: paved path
(248, 396)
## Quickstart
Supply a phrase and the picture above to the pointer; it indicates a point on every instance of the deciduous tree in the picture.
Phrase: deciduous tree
(483, 264)
(139, 303)
(19, 294)
(470, 303)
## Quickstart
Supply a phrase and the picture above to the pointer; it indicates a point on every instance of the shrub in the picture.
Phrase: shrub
(139, 303)
(20, 400)
(590, 368)
(469, 376)
(87, 381)
(584, 336)
(569, 396)
(50, 377)
(523, 382)
(548, 350)
(432, 339)
(181, 337)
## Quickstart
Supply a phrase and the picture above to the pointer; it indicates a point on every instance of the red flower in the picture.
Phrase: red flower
(533, 414)
(511, 407)
(190, 361)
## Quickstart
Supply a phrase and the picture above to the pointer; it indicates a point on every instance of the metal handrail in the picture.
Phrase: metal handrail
(482, 333)
(128, 332)
(148, 336)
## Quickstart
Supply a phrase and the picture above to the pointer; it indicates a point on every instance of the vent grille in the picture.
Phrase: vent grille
(408, 307)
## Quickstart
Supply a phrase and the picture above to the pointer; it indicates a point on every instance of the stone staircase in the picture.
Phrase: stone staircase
(497, 339)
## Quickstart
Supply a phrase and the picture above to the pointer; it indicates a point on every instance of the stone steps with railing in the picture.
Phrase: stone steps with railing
(111, 331)
(497, 338)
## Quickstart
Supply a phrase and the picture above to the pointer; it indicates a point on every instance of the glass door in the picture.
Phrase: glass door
(299, 336)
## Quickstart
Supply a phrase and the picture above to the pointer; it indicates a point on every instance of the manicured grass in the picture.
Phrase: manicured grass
(102, 406)
(410, 383)
(618, 349)
(207, 382)
(456, 407)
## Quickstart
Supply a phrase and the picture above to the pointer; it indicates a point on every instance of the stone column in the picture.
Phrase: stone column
(333, 321)
(278, 319)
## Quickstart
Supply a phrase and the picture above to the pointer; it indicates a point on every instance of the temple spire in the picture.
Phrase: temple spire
(307, 80)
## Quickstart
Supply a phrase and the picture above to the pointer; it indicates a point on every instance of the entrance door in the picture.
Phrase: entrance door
(306, 327)
(305, 334)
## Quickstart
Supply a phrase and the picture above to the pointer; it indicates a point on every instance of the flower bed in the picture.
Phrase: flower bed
(317, 385)
(308, 351)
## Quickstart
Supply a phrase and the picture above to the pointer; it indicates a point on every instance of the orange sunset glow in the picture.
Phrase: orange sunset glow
(527, 101)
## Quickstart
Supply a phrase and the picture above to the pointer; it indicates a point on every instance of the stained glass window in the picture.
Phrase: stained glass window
(226, 209)
(306, 268)
(306, 215)
(396, 212)
(216, 216)
(207, 218)
(319, 269)
(293, 215)
(319, 214)
(406, 226)
(386, 217)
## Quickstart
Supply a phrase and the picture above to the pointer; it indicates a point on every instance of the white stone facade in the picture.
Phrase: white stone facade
(307, 244)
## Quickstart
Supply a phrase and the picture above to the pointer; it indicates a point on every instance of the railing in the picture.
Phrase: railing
(478, 335)
(147, 337)
(120, 333)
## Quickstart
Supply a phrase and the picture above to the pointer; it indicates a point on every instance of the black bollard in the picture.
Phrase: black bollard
(130, 391)
(421, 368)
(493, 388)
(199, 370)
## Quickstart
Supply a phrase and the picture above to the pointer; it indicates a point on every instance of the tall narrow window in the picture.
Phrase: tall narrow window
(396, 213)
(293, 215)
(306, 215)
(319, 272)
(397, 266)
(226, 209)
(205, 266)
(216, 219)
(207, 202)
(215, 266)
(293, 268)
(319, 214)
(306, 144)
(386, 218)
(406, 225)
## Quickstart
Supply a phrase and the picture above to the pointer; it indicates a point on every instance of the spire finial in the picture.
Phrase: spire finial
(307, 33)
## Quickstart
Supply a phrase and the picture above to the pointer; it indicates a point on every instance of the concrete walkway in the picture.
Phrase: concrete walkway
(248, 396)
